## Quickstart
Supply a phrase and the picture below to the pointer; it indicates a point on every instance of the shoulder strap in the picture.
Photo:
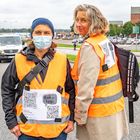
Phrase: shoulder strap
(37, 69)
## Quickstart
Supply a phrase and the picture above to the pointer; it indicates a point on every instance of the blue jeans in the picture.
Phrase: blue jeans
(62, 136)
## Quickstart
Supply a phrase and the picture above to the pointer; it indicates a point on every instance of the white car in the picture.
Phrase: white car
(129, 41)
(10, 44)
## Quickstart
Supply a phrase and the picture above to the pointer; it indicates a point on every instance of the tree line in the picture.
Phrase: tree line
(115, 30)
(22, 30)
(25, 30)
(125, 30)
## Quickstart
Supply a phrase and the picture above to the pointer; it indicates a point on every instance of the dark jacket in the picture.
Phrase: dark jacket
(10, 82)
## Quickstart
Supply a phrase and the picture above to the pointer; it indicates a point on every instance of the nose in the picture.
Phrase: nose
(78, 24)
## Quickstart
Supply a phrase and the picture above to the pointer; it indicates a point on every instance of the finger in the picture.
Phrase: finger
(68, 129)
(14, 132)
(18, 133)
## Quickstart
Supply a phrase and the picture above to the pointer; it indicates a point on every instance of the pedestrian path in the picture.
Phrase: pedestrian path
(67, 50)
(74, 52)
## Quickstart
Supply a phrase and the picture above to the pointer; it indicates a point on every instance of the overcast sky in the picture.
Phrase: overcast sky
(21, 13)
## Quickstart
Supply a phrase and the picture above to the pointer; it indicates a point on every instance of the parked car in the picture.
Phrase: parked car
(10, 44)
(136, 41)
(113, 39)
(121, 40)
(129, 41)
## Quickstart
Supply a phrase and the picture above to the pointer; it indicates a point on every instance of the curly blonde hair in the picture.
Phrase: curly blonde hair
(98, 23)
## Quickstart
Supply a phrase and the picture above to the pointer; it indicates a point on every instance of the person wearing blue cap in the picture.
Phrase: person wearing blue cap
(38, 97)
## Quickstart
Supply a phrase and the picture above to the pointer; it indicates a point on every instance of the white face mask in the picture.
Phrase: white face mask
(42, 42)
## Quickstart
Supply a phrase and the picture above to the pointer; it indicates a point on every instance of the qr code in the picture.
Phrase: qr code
(52, 112)
(30, 100)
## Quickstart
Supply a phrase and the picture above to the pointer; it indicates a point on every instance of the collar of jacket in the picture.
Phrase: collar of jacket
(29, 53)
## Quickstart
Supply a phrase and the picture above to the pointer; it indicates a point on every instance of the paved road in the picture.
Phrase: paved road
(134, 128)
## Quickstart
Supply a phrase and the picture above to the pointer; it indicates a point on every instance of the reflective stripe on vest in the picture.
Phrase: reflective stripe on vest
(101, 82)
(109, 80)
(107, 99)
(63, 120)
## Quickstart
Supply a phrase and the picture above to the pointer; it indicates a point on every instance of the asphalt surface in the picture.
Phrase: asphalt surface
(134, 128)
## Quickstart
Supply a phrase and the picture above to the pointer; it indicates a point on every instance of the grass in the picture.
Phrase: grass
(135, 50)
(71, 57)
(67, 45)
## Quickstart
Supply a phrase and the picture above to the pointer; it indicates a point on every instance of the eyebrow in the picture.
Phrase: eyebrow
(39, 31)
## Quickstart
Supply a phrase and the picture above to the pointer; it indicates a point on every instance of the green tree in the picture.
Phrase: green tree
(115, 30)
(119, 30)
(22, 30)
(112, 30)
(127, 28)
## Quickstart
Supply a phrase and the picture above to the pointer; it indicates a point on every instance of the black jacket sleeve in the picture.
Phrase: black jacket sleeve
(69, 88)
(8, 85)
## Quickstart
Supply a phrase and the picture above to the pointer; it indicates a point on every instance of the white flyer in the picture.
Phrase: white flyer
(41, 104)
(108, 50)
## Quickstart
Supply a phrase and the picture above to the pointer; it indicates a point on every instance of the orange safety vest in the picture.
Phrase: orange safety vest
(56, 76)
(107, 95)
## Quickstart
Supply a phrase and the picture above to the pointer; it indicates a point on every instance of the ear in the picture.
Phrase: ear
(54, 45)
(30, 43)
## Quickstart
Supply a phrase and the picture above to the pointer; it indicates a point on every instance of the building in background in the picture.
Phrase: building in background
(135, 15)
